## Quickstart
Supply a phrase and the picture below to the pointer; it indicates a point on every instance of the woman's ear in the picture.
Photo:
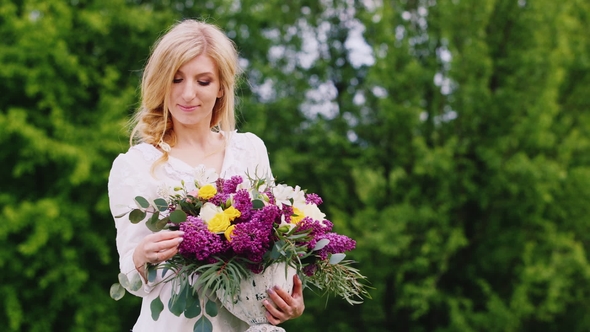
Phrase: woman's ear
(220, 93)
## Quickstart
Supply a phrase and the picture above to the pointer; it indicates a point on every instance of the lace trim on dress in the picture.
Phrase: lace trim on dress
(239, 155)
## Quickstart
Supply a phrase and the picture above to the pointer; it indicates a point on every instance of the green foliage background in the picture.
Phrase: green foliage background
(455, 151)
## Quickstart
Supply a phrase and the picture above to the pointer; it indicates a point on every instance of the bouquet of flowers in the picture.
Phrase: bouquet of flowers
(240, 226)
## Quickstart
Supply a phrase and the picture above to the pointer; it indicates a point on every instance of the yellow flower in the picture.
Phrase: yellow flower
(232, 213)
(219, 223)
(229, 232)
(207, 191)
(297, 216)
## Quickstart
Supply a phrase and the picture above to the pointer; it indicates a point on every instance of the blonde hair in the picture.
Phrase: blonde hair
(183, 42)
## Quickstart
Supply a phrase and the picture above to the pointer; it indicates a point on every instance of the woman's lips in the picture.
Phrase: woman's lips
(185, 108)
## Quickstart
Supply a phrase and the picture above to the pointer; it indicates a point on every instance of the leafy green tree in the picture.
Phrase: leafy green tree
(449, 138)
(68, 76)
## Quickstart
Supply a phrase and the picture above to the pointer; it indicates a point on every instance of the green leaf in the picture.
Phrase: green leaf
(257, 204)
(142, 202)
(123, 280)
(156, 307)
(203, 325)
(121, 215)
(173, 305)
(211, 308)
(152, 273)
(160, 224)
(193, 306)
(155, 217)
(136, 282)
(153, 221)
(177, 216)
(117, 291)
(177, 303)
(161, 204)
(321, 244)
(275, 252)
(336, 258)
(190, 208)
(136, 216)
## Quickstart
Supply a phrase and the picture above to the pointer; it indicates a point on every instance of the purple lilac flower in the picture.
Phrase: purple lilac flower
(253, 239)
(219, 199)
(267, 215)
(313, 199)
(243, 204)
(315, 228)
(338, 244)
(271, 197)
(287, 211)
(230, 185)
(255, 268)
(199, 243)
(317, 231)
(219, 184)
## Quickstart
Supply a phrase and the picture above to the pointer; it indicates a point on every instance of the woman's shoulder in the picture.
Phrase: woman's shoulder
(141, 154)
(246, 139)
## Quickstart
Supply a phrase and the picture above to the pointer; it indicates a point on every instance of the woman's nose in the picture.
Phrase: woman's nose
(189, 91)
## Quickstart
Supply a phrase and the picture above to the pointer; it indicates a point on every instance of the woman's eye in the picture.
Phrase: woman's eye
(177, 80)
(204, 83)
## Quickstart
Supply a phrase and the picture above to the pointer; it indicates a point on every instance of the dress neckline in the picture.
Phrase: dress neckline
(177, 163)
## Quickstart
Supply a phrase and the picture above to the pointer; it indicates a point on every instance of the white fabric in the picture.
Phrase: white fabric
(131, 176)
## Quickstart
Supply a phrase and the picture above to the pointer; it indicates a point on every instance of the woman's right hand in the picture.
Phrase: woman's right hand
(156, 248)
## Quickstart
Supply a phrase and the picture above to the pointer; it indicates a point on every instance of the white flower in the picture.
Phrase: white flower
(165, 191)
(312, 211)
(208, 211)
(284, 223)
(283, 194)
(204, 175)
(298, 196)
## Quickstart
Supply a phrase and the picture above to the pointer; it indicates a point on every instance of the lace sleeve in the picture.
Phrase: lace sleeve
(126, 181)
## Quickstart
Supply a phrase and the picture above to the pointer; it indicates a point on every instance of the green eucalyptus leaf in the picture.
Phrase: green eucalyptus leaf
(156, 308)
(173, 305)
(211, 308)
(257, 204)
(193, 306)
(336, 258)
(155, 217)
(177, 216)
(203, 325)
(117, 291)
(142, 202)
(135, 282)
(160, 224)
(152, 273)
(121, 215)
(161, 204)
(123, 280)
(321, 244)
(177, 303)
(136, 216)
(155, 224)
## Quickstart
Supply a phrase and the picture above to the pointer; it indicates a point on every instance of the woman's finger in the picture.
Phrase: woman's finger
(167, 244)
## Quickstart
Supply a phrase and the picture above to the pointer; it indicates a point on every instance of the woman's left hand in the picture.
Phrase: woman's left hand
(285, 306)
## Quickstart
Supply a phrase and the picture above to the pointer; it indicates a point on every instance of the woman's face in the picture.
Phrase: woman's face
(194, 91)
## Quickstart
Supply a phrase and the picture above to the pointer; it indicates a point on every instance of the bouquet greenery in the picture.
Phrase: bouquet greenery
(238, 226)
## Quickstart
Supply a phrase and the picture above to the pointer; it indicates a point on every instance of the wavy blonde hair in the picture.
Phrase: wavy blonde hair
(184, 41)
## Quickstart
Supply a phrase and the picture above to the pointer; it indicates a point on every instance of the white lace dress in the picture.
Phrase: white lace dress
(131, 176)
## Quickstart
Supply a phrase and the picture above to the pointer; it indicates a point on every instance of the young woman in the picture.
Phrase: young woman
(185, 129)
